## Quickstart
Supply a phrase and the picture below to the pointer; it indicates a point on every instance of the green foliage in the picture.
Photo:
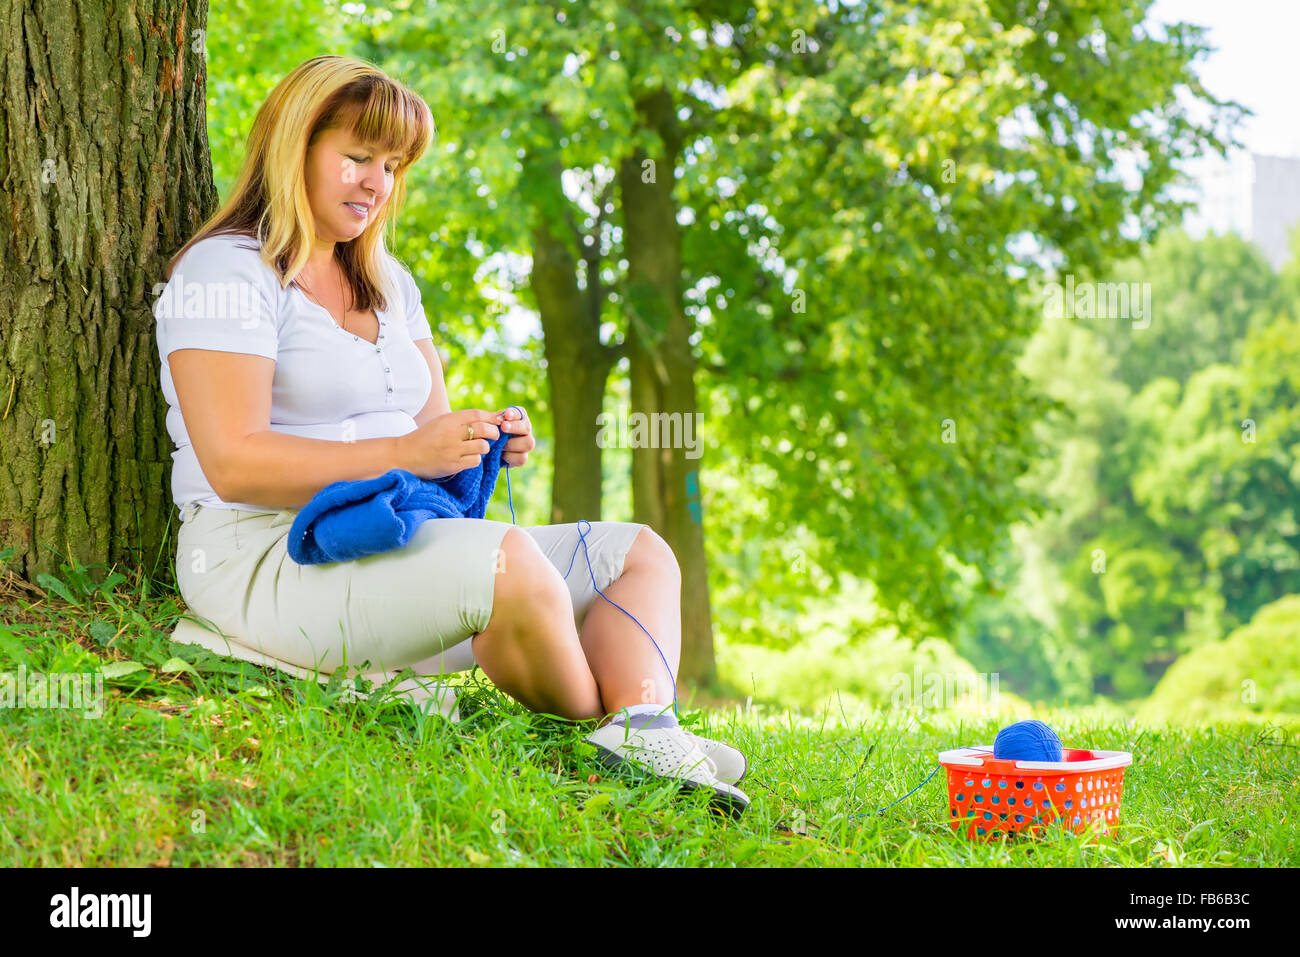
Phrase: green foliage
(880, 403)
(839, 658)
(1198, 319)
(841, 191)
(1173, 508)
(871, 361)
(1005, 637)
(1255, 670)
(250, 47)
(1130, 592)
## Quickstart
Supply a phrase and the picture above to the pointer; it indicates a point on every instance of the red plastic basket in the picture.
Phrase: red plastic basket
(990, 796)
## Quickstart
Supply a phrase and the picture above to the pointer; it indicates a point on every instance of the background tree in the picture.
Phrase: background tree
(881, 234)
(1173, 509)
(845, 180)
(817, 222)
(1209, 292)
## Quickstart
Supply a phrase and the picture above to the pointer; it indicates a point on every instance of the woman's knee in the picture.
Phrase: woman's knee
(650, 548)
(524, 579)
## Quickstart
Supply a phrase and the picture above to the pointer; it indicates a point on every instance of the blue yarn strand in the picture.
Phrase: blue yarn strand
(582, 541)
(908, 794)
(915, 789)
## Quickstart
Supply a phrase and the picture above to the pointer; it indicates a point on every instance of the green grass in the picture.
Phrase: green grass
(199, 760)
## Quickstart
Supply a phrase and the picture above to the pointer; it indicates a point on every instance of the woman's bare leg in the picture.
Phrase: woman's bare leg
(626, 666)
(530, 648)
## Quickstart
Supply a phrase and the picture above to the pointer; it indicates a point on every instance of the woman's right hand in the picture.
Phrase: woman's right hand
(442, 447)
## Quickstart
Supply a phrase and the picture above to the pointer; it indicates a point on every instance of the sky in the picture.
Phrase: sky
(1257, 64)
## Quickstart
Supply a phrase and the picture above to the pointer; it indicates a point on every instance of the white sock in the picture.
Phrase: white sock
(650, 708)
(663, 712)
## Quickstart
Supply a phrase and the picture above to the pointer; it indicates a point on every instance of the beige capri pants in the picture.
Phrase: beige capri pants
(418, 606)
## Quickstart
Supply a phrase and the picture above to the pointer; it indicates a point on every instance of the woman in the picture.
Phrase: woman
(295, 353)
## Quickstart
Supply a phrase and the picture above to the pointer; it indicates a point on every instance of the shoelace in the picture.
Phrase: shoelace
(699, 742)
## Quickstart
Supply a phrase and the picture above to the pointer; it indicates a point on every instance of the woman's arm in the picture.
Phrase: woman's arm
(438, 403)
(225, 399)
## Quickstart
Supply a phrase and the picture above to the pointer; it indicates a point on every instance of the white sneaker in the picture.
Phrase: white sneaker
(666, 753)
(728, 764)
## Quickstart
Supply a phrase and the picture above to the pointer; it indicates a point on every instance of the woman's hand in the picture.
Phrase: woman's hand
(521, 442)
(443, 447)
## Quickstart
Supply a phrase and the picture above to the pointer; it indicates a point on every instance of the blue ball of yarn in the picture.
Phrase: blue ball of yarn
(1028, 741)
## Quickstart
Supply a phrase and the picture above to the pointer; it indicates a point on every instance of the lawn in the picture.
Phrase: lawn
(198, 760)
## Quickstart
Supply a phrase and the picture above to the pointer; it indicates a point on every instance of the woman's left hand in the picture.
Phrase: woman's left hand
(521, 441)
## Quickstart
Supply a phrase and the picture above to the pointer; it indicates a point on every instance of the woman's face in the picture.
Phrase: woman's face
(342, 171)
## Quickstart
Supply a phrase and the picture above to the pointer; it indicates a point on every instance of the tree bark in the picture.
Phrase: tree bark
(665, 482)
(577, 362)
(106, 171)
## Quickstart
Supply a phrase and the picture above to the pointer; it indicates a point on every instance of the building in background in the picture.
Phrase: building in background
(1274, 205)
(1254, 195)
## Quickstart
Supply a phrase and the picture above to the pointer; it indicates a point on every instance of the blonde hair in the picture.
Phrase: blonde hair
(269, 198)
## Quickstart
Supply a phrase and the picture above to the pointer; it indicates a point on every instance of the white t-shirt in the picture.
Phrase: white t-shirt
(329, 383)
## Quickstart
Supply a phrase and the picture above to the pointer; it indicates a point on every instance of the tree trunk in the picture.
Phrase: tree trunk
(105, 169)
(665, 481)
(577, 362)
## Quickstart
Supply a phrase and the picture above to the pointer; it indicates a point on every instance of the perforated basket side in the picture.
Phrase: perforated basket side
(999, 796)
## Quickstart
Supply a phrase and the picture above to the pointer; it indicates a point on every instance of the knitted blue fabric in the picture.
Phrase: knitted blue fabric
(347, 520)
